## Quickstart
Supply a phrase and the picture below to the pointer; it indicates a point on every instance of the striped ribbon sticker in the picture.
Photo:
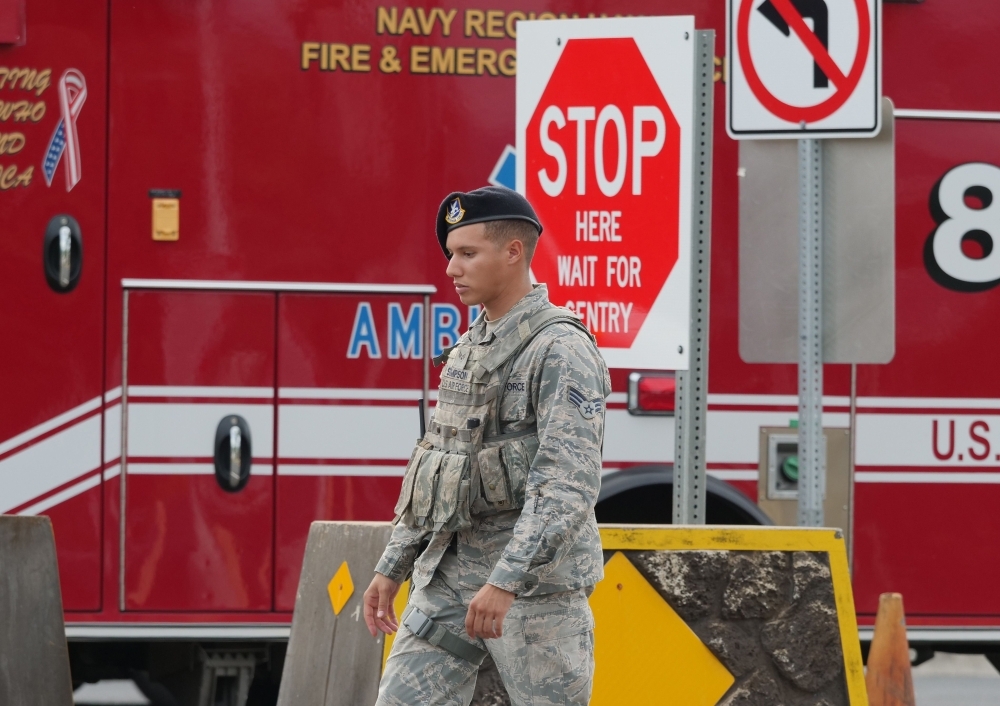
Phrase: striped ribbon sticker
(72, 94)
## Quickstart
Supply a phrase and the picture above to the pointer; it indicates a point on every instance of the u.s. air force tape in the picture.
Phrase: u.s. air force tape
(421, 625)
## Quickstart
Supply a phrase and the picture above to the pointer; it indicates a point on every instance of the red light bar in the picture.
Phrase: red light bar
(652, 393)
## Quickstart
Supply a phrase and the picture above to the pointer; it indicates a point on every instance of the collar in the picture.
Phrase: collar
(537, 298)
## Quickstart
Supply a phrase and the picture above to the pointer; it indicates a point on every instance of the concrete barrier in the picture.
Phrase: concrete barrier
(34, 659)
(701, 616)
(332, 660)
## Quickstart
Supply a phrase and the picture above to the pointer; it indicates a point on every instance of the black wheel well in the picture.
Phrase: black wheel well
(644, 495)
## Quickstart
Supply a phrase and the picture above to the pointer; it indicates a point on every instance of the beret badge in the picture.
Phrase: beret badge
(455, 212)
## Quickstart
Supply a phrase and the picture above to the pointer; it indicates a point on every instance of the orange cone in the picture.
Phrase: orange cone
(889, 680)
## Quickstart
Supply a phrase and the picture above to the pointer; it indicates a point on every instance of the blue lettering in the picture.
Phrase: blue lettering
(406, 334)
(474, 313)
(445, 320)
(363, 333)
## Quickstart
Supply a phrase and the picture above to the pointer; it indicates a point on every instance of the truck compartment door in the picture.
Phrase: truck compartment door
(53, 134)
(199, 471)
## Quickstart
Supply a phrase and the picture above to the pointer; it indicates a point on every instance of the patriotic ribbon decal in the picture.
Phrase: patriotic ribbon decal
(72, 94)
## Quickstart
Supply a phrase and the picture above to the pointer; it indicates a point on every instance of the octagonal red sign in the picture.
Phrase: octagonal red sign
(603, 170)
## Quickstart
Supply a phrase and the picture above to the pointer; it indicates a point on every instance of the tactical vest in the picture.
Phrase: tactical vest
(463, 466)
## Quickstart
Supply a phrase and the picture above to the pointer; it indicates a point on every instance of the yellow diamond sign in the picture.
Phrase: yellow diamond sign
(645, 653)
(340, 588)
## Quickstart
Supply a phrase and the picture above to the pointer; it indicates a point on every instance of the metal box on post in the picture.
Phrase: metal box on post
(777, 485)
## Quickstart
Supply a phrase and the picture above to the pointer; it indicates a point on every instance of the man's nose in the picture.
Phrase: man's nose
(453, 269)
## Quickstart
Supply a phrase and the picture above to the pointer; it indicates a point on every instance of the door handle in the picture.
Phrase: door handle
(62, 253)
(233, 453)
(235, 442)
(65, 250)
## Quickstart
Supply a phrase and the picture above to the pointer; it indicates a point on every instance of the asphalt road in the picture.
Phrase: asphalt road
(946, 680)
(956, 680)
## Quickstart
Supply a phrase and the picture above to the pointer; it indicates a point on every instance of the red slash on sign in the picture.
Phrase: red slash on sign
(845, 84)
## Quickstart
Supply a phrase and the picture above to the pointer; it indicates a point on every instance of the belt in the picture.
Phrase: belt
(421, 625)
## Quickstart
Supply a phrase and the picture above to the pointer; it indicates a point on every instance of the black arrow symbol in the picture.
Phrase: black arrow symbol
(817, 11)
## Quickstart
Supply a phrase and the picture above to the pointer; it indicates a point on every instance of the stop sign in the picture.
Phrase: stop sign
(606, 168)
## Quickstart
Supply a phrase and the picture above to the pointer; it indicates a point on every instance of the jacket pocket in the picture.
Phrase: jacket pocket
(516, 463)
(425, 484)
(453, 468)
(491, 471)
(406, 492)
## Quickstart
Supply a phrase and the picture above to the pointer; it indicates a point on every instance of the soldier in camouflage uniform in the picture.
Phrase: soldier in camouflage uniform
(495, 520)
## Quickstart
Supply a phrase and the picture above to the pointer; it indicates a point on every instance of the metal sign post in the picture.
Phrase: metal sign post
(690, 490)
(832, 89)
(812, 444)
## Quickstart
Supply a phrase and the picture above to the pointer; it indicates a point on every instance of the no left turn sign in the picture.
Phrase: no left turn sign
(804, 68)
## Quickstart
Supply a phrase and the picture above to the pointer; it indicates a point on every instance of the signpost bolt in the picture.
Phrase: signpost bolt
(802, 124)
(680, 349)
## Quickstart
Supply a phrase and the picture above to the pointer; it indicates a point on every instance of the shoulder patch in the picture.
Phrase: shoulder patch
(588, 408)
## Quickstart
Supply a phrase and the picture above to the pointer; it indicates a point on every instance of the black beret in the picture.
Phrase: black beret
(490, 203)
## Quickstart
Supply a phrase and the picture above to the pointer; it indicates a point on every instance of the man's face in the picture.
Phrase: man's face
(481, 270)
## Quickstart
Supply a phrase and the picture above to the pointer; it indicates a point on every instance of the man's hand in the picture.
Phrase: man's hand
(487, 611)
(380, 613)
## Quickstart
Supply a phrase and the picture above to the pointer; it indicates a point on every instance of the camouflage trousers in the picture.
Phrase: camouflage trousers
(545, 656)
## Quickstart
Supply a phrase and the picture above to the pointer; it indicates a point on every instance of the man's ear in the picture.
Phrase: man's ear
(515, 251)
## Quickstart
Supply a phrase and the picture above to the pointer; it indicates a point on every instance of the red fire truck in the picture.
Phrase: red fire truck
(222, 288)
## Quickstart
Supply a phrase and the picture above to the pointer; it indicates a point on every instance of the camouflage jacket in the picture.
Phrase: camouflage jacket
(558, 385)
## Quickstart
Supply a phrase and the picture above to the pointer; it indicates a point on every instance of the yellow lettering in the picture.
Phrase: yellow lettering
(418, 60)
(24, 178)
(385, 20)
(474, 21)
(10, 179)
(511, 24)
(361, 55)
(11, 143)
(7, 177)
(494, 24)
(466, 61)
(310, 53)
(547, 16)
(426, 20)
(409, 22)
(486, 59)
(43, 82)
(340, 54)
(22, 111)
(446, 20)
(324, 57)
(442, 60)
(508, 62)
